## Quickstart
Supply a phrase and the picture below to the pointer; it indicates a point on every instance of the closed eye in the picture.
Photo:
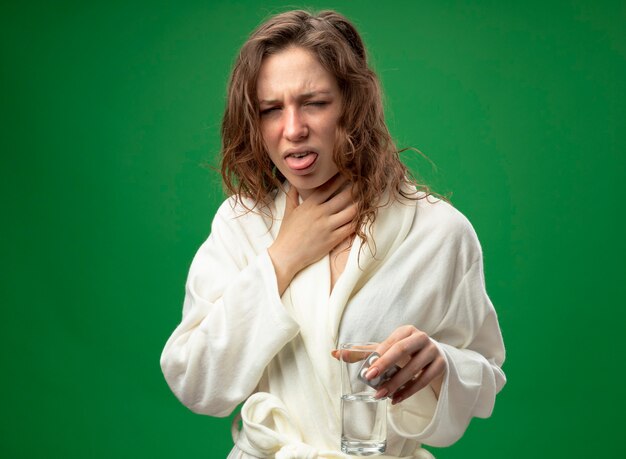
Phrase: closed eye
(317, 103)
(267, 111)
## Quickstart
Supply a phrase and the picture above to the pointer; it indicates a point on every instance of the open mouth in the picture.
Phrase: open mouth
(300, 161)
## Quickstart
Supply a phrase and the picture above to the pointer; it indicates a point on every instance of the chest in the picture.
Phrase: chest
(337, 259)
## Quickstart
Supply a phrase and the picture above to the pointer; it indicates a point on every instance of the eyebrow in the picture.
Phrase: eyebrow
(303, 96)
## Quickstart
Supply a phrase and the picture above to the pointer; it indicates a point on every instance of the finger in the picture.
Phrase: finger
(412, 369)
(346, 216)
(398, 334)
(324, 192)
(354, 354)
(401, 352)
(436, 368)
(339, 201)
(397, 349)
(340, 234)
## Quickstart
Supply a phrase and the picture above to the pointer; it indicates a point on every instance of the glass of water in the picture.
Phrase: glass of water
(363, 417)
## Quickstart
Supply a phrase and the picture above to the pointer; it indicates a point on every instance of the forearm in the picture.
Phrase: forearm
(285, 267)
(221, 333)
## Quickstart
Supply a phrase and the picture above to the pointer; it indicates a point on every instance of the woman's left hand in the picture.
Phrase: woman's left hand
(420, 360)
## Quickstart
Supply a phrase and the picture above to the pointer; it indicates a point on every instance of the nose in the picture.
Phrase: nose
(295, 126)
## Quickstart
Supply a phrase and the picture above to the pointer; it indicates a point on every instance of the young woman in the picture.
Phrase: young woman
(326, 240)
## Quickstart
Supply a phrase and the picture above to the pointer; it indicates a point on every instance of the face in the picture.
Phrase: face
(300, 105)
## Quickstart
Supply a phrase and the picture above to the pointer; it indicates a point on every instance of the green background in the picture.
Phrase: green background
(110, 126)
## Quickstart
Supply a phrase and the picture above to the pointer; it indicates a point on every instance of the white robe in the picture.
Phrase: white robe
(239, 341)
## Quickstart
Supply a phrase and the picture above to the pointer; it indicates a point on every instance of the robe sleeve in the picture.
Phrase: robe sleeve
(233, 321)
(469, 337)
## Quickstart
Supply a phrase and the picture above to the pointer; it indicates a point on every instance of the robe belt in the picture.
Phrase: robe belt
(268, 431)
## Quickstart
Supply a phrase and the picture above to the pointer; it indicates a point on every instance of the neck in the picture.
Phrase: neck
(304, 194)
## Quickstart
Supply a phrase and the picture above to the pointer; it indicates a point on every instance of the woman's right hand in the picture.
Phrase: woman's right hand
(312, 229)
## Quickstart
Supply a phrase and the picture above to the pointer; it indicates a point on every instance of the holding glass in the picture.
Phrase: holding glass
(321, 203)
(363, 417)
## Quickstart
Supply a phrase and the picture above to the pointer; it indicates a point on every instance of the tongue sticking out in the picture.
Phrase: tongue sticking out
(301, 162)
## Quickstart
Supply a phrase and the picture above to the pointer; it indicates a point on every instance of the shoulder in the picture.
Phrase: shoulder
(432, 212)
(440, 214)
(242, 215)
(238, 207)
(235, 207)
(437, 221)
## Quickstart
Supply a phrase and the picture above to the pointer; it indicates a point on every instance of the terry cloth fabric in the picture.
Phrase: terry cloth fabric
(238, 341)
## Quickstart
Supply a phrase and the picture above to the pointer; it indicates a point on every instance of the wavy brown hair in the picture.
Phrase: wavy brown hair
(364, 151)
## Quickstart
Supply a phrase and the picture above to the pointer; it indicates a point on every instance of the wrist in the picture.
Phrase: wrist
(284, 267)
